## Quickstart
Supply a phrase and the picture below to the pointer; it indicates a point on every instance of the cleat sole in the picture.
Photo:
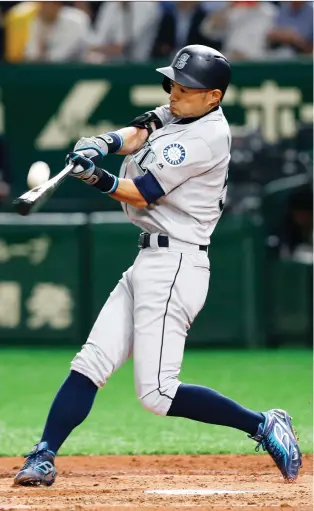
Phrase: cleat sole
(32, 482)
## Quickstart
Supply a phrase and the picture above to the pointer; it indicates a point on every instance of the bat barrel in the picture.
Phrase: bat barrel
(33, 199)
(22, 207)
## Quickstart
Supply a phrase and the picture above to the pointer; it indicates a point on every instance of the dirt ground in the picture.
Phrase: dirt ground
(121, 483)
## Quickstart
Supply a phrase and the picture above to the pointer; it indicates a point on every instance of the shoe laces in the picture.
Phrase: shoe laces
(271, 446)
(30, 458)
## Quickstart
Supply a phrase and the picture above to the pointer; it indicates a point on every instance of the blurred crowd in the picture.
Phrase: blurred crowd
(97, 32)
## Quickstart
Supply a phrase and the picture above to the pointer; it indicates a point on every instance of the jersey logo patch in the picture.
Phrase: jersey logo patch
(182, 60)
(174, 154)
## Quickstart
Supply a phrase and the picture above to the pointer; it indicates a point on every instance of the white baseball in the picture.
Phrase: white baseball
(38, 174)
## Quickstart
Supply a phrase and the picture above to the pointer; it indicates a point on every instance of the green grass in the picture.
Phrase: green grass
(118, 425)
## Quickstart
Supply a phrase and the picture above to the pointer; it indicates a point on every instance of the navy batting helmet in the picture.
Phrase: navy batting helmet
(198, 67)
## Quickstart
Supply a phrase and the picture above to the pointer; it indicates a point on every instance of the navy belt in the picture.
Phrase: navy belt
(163, 241)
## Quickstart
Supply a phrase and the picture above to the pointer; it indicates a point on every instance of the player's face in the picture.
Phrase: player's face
(187, 102)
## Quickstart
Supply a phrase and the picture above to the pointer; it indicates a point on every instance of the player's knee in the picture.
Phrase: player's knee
(155, 403)
(158, 399)
(93, 363)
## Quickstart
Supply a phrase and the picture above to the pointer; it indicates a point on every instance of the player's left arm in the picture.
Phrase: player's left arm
(179, 163)
(123, 190)
(126, 191)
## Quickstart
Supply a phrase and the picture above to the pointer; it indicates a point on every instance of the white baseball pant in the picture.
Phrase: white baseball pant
(148, 315)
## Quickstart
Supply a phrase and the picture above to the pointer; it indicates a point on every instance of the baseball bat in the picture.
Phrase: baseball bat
(36, 197)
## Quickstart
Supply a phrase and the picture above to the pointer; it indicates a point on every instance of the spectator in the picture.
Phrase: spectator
(124, 31)
(214, 6)
(292, 32)
(179, 27)
(214, 25)
(58, 34)
(17, 20)
(243, 28)
(91, 8)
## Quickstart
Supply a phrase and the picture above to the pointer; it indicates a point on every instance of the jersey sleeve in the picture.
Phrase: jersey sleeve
(179, 161)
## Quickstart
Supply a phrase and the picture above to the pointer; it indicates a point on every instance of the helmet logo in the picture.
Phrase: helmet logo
(182, 60)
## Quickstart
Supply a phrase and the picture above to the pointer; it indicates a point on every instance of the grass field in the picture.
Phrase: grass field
(118, 425)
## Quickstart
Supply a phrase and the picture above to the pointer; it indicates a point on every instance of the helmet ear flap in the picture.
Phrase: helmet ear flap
(166, 84)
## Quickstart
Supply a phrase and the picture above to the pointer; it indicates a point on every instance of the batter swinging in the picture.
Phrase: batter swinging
(172, 185)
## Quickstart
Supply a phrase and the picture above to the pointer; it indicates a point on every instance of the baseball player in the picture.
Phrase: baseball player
(172, 185)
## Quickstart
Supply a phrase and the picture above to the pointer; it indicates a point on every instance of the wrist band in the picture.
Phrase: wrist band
(113, 141)
(107, 183)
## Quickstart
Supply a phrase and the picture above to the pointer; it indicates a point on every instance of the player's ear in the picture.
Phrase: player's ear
(213, 97)
(216, 95)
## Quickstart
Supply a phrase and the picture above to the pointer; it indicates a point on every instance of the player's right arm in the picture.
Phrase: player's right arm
(146, 124)
(123, 141)
(126, 140)
(154, 119)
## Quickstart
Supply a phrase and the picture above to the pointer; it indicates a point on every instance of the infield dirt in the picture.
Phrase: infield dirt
(120, 483)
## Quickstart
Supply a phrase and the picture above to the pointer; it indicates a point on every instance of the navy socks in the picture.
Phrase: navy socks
(70, 407)
(75, 399)
(206, 405)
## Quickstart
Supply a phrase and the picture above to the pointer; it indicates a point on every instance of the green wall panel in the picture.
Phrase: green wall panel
(41, 279)
(57, 271)
(290, 304)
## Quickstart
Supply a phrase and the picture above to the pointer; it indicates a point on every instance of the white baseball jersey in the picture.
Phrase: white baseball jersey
(189, 160)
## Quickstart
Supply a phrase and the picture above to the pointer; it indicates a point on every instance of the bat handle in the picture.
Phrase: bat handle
(64, 173)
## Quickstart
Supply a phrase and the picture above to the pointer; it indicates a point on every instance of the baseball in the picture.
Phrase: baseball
(38, 174)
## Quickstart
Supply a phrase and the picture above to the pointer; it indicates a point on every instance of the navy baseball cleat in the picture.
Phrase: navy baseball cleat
(38, 469)
(277, 437)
